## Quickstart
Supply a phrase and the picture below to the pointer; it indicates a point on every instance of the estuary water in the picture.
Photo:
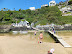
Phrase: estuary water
(30, 36)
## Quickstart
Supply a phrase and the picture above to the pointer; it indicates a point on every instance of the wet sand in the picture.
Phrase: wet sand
(23, 45)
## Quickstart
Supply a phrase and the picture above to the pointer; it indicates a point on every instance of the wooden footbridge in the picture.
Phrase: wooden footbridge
(60, 39)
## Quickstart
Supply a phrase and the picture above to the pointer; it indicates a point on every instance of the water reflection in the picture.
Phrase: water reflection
(30, 36)
(20, 32)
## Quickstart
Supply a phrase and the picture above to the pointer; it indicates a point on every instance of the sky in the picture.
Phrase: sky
(23, 4)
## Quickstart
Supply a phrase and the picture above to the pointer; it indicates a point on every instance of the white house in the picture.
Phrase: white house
(44, 5)
(21, 24)
(32, 8)
(52, 3)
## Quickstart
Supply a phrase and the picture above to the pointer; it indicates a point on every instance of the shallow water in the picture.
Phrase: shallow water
(64, 33)
(31, 36)
(46, 36)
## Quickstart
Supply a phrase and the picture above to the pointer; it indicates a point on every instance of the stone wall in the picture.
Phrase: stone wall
(57, 28)
(5, 28)
(24, 28)
(65, 28)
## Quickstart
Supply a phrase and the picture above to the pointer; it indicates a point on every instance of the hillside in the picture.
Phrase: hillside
(41, 16)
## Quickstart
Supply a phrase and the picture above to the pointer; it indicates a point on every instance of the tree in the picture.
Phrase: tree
(19, 9)
(28, 11)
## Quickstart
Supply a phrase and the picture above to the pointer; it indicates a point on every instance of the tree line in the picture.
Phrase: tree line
(40, 16)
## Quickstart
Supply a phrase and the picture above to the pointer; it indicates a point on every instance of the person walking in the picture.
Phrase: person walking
(35, 34)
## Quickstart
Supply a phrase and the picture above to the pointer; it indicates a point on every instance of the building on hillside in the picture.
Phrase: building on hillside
(52, 3)
(44, 5)
(21, 24)
(32, 8)
(65, 9)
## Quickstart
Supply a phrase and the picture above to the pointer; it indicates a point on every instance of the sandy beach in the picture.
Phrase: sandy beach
(67, 36)
(23, 45)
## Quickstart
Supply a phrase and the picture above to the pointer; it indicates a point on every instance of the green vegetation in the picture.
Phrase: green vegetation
(70, 2)
(39, 16)
(66, 19)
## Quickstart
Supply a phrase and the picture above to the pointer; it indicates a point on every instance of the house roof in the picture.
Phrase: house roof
(52, 2)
